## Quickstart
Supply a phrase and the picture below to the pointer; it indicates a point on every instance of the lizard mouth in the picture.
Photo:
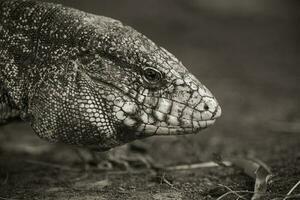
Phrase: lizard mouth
(172, 125)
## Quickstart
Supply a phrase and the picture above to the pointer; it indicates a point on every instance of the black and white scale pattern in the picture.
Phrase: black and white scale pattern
(89, 80)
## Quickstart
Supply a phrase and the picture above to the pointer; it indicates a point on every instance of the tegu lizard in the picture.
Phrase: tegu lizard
(89, 80)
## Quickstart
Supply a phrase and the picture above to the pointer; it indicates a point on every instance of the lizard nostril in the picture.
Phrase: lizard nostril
(206, 107)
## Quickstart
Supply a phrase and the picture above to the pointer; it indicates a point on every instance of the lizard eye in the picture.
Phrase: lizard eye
(152, 75)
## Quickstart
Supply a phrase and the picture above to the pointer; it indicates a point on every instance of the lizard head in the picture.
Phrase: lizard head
(151, 92)
(119, 86)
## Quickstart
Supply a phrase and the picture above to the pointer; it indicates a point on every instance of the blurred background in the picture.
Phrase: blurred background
(247, 53)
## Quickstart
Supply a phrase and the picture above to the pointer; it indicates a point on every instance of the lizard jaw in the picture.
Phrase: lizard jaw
(168, 124)
(150, 129)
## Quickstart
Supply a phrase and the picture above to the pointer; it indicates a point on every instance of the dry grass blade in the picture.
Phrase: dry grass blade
(291, 191)
(87, 185)
(166, 181)
(35, 162)
(198, 165)
(257, 170)
(3, 198)
(231, 192)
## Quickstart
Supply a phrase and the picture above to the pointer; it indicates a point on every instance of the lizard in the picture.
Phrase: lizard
(92, 81)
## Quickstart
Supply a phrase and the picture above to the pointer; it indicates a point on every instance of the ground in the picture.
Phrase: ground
(247, 56)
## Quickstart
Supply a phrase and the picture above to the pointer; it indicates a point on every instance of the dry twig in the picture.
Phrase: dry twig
(232, 192)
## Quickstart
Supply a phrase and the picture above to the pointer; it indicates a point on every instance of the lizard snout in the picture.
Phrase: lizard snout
(206, 113)
(217, 113)
(212, 108)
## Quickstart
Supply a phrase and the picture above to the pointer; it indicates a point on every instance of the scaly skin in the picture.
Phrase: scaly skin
(89, 80)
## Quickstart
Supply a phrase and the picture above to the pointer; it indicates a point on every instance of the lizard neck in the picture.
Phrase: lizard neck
(43, 48)
(27, 48)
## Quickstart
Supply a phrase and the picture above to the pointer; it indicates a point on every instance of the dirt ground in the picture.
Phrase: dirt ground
(247, 55)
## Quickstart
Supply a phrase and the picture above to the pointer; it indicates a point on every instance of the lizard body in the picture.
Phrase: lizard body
(89, 80)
